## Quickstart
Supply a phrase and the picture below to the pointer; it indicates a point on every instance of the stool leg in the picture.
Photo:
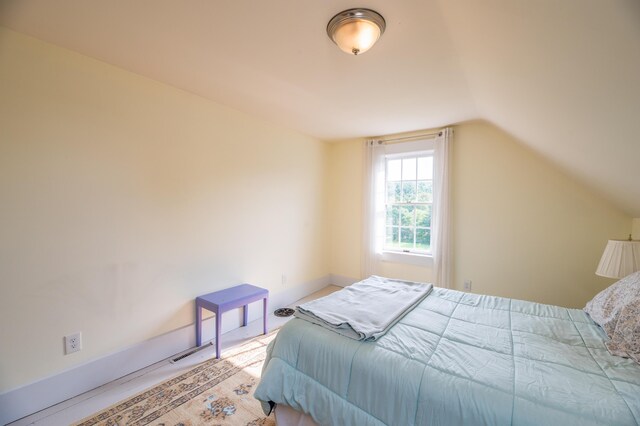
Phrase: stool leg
(245, 315)
(218, 326)
(264, 314)
(198, 325)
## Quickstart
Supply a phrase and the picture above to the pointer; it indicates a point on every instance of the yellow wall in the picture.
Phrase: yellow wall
(345, 216)
(636, 229)
(522, 228)
(345, 207)
(121, 199)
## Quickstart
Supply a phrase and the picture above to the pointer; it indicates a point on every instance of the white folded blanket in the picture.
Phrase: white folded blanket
(365, 310)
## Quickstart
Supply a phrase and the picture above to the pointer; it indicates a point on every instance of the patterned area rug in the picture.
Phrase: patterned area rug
(215, 392)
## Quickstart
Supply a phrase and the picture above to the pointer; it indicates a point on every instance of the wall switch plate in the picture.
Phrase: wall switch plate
(72, 343)
(467, 285)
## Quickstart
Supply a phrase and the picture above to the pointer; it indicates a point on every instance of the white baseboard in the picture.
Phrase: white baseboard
(28, 399)
(341, 280)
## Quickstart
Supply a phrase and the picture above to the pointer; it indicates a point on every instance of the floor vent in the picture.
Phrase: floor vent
(191, 352)
(283, 312)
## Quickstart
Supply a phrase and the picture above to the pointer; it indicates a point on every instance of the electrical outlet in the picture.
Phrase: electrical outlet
(72, 343)
(467, 285)
(284, 279)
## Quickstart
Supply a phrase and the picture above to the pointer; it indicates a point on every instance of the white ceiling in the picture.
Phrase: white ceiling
(562, 76)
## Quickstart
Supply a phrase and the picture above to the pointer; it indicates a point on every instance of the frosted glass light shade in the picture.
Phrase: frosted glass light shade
(356, 37)
(356, 30)
(620, 258)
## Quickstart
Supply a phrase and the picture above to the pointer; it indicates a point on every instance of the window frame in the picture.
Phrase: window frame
(387, 205)
(415, 148)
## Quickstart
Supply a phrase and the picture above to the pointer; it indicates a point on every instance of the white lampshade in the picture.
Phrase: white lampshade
(356, 30)
(620, 258)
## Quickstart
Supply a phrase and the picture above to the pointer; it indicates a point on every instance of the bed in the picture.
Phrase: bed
(456, 359)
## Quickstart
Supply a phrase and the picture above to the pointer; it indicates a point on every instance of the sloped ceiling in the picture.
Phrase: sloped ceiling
(562, 76)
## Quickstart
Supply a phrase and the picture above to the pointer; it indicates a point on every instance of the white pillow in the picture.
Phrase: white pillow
(617, 310)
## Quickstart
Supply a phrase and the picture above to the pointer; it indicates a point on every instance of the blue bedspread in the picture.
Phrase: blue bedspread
(457, 359)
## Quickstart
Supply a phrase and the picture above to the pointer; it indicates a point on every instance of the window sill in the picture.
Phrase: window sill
(409, 258)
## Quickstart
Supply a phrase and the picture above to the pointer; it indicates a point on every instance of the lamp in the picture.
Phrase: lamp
(356, 30)
(620, 258)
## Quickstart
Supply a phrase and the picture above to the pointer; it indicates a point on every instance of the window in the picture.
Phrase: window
(408, 202)
(406, 205)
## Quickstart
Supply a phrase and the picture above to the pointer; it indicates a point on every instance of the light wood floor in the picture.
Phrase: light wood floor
(104, 396)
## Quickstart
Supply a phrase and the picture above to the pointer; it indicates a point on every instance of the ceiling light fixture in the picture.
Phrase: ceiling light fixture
(356, 30)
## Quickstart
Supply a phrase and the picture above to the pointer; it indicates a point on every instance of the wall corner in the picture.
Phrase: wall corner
(635, 228)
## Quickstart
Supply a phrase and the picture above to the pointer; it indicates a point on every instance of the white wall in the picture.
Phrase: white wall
(521, 227)
(122, 199)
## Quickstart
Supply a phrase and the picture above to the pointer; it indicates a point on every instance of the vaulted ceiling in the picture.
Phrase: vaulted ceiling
(562, 76)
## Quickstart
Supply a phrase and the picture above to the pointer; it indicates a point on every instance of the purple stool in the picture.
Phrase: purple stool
(227, 299)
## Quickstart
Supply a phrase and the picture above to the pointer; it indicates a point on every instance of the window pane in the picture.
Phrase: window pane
(408, 192)
(425, 168)
(423, 239)
(409, 169)
(393, 215)
(406, 238)
(393, 192)
(423, 216)
(425, 191)
(393, 169)
(406, 216)
(392, 237)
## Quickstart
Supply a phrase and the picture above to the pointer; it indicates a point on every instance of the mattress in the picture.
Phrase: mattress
(456, 358)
